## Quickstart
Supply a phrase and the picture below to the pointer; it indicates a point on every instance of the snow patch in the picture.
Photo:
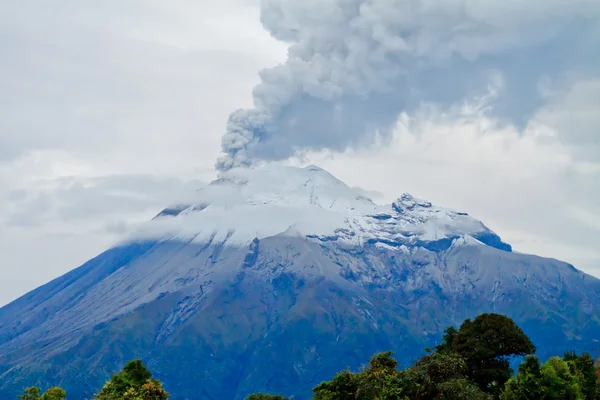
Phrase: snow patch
(248, 203)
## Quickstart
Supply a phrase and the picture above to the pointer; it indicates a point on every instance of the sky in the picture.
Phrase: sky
(112, 110)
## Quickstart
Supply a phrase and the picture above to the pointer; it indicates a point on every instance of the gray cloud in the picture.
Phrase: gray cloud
(353, 65)
(574, 114)
(525, 185)
(94, 200)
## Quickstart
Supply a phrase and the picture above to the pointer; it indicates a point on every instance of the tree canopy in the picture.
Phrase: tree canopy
(34, 393)
(134, 382)
(470, 363)
(487, 344)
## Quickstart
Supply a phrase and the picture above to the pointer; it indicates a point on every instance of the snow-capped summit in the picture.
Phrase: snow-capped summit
(248, 203)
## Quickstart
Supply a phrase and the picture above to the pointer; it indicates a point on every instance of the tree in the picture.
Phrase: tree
(33, 393)
(262, 396)
(440, 375)
(486, 344)
(447, 339)
(558, 382)
(54, 393)
(152, 390)
(343, 386)
(379, 381)
(527, 384)
(134, 382)
(584, 367)
(383, 362)
(554, 380)
(460, 389)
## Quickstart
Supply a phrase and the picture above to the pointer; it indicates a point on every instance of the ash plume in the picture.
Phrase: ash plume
(354, 65)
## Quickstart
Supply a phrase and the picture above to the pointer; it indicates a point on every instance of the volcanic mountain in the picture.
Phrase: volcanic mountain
(275, 278)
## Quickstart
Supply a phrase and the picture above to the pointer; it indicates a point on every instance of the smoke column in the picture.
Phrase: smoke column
(354, 65)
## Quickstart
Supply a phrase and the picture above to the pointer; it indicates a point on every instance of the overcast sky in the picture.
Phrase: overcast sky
(111, 110)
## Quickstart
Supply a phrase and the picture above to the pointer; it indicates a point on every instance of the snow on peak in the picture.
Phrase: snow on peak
(283, 186)
(248, 203)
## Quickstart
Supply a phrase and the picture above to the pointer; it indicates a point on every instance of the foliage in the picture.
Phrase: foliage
(470, 363)
(486, 344)
(460, 389)
(584, 367)
(134, 382)
(440, 375)
(33, 393)
(343, 386)
(527, 384)
(558, 382)
(556, 379)
(262, 396)
(447, 339)
(437, 375)
(54, 393)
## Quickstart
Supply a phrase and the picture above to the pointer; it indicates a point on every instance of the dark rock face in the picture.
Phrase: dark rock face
(219, 321)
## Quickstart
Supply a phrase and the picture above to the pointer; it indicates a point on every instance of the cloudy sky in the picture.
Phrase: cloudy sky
(114, 109)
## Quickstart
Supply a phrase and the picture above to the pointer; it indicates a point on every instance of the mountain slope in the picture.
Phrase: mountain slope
(274, 279)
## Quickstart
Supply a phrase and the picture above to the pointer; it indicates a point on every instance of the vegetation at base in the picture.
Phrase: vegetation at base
(470, 363)
(134, 382)
(34, 393)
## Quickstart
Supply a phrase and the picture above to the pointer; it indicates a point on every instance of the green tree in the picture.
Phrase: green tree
(527, 384)
(584, 367)
(379, 381)
(440, 375)
(343, 386)
(558, 382)
(152, 390)
(460, 389)
(486, 344)
(262, 396)
(447, 339)
(383, 362)
(33, 393)
(54, 393)
(134, 382)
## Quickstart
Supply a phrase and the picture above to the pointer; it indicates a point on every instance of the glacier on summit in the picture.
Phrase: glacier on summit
(273, 279)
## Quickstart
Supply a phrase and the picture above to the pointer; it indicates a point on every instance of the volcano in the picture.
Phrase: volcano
(273, 279)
